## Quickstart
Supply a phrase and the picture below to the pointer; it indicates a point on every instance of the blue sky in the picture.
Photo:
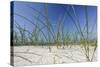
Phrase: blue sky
(32, 10)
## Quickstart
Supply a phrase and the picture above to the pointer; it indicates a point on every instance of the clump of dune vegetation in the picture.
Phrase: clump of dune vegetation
(44, 35)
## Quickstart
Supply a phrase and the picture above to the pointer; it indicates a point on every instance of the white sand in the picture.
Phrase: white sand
(30, 55)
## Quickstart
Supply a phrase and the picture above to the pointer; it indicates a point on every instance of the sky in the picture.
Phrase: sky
(35, 13)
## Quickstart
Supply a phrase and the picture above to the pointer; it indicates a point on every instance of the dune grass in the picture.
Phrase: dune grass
(59, 37)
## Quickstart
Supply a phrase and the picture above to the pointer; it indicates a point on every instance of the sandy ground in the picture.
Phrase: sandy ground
(35, 55)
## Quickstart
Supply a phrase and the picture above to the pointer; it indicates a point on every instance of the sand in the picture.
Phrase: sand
(36, 55)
